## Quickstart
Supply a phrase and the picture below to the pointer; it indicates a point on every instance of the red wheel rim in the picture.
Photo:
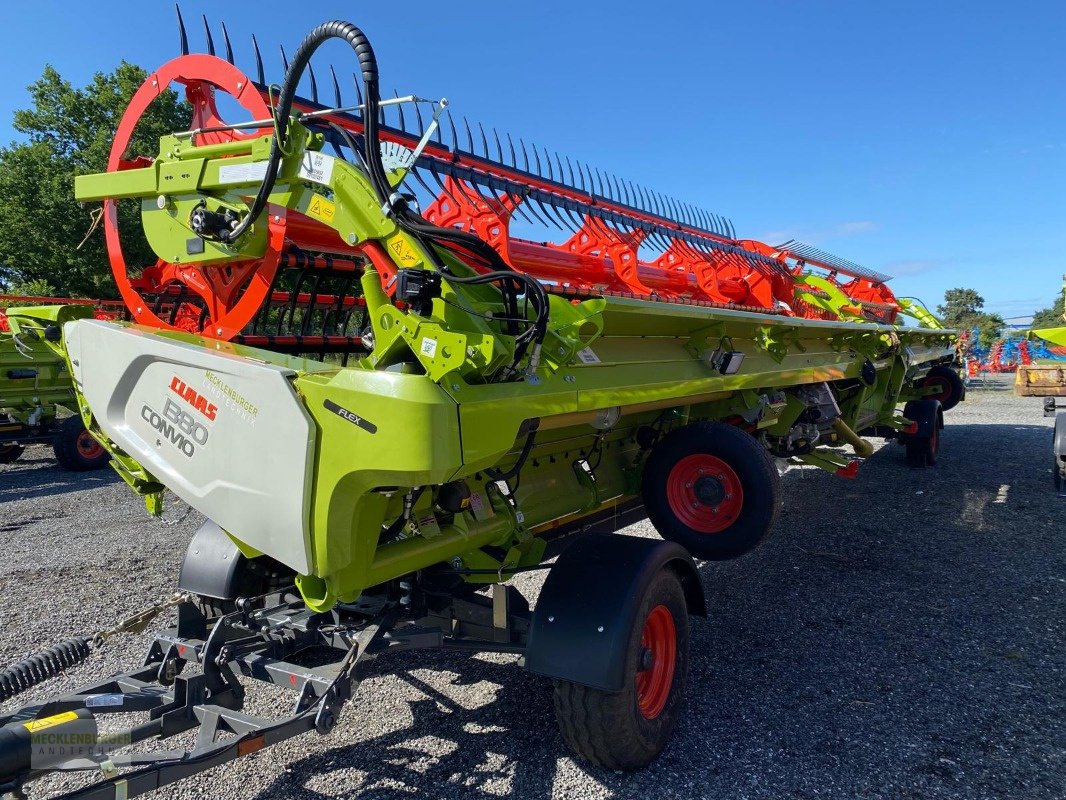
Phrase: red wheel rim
(658, 654)
(704, 493)
(87, 446)
(943, 389)
(232, 293)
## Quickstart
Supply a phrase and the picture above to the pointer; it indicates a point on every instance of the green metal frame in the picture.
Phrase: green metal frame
(430, 386)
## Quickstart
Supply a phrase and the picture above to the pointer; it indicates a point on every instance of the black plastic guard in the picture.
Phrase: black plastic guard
(587, 607)
(213, 565)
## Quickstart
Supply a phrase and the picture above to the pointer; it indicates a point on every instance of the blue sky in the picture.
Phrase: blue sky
(925, 140)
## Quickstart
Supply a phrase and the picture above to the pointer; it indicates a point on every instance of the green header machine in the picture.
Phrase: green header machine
(36, 387)
(389, 397)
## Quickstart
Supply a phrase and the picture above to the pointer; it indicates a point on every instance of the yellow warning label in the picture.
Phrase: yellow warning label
(402, 252)
(321, 209)
(49, 722)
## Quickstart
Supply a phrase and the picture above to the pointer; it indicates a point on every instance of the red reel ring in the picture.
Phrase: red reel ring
(233, 292)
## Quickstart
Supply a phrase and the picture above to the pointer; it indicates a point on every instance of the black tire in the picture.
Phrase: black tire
(923, 450)
(1058, 449)
(610, 729)
(10, 453)
(690, 492)
(76, 449)
(952, 389)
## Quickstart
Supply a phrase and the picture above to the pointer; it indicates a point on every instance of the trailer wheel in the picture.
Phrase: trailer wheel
(76, 449)
(10, 453)
(949, 386)
(627, 730)
(1058, 447)
(923, 448)
(713, 489)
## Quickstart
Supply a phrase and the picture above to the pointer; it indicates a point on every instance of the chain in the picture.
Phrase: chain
(139, 621)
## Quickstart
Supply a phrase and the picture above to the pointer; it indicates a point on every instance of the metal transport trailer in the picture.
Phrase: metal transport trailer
(387, 413)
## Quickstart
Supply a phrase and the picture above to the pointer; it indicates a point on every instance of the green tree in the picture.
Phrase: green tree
(989, 329)
(69, 132)
(962, 308)
(1050, 317)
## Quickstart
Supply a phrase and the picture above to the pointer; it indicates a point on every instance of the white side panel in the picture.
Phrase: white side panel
(226, 434)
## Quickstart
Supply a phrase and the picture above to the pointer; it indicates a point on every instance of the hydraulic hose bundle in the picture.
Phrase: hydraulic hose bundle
(513, 284)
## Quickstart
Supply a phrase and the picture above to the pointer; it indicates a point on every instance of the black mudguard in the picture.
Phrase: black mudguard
(213, 565)
(586, 610)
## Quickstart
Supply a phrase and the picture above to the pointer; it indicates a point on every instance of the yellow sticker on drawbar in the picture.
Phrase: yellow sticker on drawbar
(321, 209)
(49, 722)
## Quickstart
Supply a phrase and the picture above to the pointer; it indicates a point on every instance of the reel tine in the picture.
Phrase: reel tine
(617, 189)
(599, 182)
(455, 135)
(625, 188)
(569, 166)
(284, 58)
(516, 201)
(183, 35)
(358, 95)
(399, 112)
(440, 183)
(643, 201)
(732, 230)
(314, 82)
(576, 218)
(469, 137)
(227, 43)
(421, 123)
(592, 185)
(581, 178)
(499, 147)
(559, 165)
(207, 35)
(259, 73)
(525, 155)
(656, 208)
(548, 164)
(484, 140)
(421, 180)
(675, 210)
(537, 200)
(533, 211)
(537, 157)
(336, 87)
(510, 144)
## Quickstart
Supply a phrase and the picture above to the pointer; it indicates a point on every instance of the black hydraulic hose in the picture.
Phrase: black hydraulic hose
(371, 150)
(41, 666)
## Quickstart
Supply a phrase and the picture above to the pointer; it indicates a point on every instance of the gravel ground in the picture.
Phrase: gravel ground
(900, 636)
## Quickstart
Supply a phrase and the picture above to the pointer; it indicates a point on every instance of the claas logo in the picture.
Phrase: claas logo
(193, 398)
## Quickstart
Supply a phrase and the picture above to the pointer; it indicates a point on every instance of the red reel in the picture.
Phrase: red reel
(231, 293)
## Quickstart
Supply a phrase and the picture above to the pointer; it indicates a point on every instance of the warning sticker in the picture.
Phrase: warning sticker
(49, 722)
(403, 252)
(321, 209)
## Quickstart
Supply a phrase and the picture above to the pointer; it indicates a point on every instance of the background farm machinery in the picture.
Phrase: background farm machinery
(440, 403)
(36, 391)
